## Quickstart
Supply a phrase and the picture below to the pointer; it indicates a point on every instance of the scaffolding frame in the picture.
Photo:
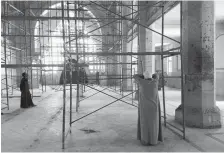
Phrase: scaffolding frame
(71, 42)
(25, 57)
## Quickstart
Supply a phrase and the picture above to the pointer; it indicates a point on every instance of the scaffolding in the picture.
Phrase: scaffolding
(27, 38)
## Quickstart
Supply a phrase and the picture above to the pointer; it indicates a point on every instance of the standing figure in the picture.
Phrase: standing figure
(149, 117)
(97, 78)
(26, 100)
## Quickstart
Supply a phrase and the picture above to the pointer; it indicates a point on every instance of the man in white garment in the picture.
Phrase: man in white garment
(149, 122)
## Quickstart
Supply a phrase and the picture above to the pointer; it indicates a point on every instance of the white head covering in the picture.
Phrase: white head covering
(147, 75)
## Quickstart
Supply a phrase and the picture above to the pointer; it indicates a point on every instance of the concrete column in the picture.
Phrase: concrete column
(111, 69)
(19, 41)
(198, 57)
(146, 42)
(149, 61)
(142, 37)
(126, 69)
(158, 65)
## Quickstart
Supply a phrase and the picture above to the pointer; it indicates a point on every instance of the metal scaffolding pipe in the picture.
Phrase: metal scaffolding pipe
(60, 36)
(70, 115)
(12, 18)
(36, 65)
(134, 21)
(5, 61)
(162, 60)
(125, 54)
(77, 58)
(64, 80)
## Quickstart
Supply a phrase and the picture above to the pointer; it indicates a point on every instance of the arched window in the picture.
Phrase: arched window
(50, 41)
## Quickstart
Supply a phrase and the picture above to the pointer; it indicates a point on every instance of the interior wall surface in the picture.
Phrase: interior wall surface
(219, 64)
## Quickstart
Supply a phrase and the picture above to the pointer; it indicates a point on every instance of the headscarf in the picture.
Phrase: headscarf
(147, 75)
(24, 74)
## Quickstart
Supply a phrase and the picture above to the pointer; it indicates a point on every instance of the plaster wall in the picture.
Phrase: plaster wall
(219, 65)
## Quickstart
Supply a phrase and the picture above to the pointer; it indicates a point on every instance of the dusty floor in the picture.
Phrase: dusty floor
(110, 129)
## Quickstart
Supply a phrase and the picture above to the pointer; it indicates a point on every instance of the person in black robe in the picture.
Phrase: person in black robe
(97, 78)
(26, 100)
(83, 76)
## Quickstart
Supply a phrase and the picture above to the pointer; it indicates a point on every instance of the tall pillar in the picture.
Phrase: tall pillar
(142, 36)
(146, 43)
(149, 61)
(126, 71)
(198, 58)
(111, 69)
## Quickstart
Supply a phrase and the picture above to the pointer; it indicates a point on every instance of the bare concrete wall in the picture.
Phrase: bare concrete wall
(219, 64)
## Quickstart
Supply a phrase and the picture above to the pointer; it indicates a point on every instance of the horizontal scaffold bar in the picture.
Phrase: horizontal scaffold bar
(110, 63)
(36, 65)
(57, 9)
(125, 54)
(57, 65)
(82, 44)
(111, 78)
(177, 48)
(62, 35)
(56, 18)
(172, 76)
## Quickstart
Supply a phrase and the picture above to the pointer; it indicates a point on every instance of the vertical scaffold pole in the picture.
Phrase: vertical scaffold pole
(25, 43)
(132, 31)
(182, 70)
(84, 49)
(113, 50)
(64, 77)
(81, 50)
(122, 83)
(11, 69)
(6, 76)
(77, 58)
(163, 86)
(31, 69)
(51, 52)
(70, 50)
(11, 59)
(41, 72)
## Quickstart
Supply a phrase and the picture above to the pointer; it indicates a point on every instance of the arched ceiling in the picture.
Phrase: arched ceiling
(94, 9)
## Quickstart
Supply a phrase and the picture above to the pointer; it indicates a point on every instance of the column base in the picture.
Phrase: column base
(196, 117)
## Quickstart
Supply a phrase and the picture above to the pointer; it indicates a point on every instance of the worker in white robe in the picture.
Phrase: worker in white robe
(149, 117)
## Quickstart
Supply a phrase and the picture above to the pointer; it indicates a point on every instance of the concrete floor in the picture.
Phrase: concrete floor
(40, 128)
